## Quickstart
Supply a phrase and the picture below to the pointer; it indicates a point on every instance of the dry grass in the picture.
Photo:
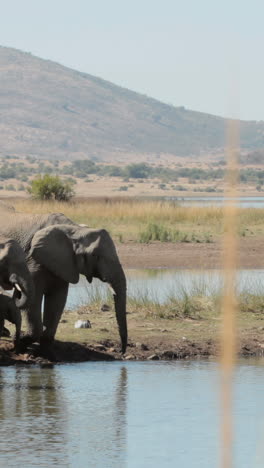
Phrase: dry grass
(126, 218)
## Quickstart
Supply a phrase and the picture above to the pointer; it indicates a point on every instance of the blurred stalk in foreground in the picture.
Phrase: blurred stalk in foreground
(229, 302)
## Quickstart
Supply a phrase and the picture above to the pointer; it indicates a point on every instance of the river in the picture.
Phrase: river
(127, 415)
(243, 202)
(160, 284)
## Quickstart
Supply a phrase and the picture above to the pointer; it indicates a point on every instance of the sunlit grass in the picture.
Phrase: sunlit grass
(197, 299)
(128, 219)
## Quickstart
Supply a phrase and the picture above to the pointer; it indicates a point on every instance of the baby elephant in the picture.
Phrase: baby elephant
(10, 312)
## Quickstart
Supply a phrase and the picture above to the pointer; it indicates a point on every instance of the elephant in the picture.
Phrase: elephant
(57, 252)
(9, 311)
(14, 272)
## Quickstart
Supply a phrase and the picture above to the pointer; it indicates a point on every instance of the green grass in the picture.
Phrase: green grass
(157, 232)
(201, 300)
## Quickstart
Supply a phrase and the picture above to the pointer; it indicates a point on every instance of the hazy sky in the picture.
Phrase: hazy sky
(194, 53)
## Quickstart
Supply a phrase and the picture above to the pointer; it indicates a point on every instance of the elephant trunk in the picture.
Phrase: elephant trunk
(119, 286)
(23, 285)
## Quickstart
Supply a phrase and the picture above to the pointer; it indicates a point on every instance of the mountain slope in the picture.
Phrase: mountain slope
(50, 111)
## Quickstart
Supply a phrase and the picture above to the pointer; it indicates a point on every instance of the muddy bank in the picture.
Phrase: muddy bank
(108, 350)
(189, 255)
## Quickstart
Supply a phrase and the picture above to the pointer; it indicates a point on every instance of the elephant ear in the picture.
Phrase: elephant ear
(53, 249)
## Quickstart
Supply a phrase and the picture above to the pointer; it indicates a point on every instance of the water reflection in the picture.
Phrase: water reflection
(121, 409)
(50, 417)
(127, 415)
(32, 404)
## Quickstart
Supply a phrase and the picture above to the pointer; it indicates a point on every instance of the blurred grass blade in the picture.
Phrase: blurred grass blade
(229, 302)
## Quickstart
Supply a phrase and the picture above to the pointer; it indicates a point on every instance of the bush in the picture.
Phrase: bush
(49, 187)
(10, 187)
(138, 171)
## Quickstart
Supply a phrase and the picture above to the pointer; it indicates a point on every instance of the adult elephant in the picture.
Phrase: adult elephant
(58, 251)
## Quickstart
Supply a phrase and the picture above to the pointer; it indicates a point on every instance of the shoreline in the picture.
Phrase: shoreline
(107, 350)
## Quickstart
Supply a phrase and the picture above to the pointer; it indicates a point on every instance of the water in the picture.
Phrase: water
(159, 284)
(127, 415)
(243, 202)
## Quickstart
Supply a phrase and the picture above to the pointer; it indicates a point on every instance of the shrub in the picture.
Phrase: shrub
(49, 187)
(10, 187)
(209, 189)
(138, 171)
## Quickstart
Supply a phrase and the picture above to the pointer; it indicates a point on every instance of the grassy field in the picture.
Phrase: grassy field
(143, 221)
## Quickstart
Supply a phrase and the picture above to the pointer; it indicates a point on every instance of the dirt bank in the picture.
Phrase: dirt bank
(189, 255)
(107, 350)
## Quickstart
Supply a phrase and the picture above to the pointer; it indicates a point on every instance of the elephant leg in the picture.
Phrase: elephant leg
(18, 331)
(2, 321)
(54, 304)
(33, 321)
(14, 316)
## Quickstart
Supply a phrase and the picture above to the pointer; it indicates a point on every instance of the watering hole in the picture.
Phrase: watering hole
(127, 415)
(161, 284)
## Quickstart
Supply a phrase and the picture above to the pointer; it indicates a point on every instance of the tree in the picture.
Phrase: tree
(48, 187)
(138, 171)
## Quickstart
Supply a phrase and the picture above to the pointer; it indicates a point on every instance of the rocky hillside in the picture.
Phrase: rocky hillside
(50, 111)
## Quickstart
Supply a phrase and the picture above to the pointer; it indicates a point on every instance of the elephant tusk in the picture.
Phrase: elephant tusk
(111, 289)
(18, 287)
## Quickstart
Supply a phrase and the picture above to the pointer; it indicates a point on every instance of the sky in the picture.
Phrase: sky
(205, 55)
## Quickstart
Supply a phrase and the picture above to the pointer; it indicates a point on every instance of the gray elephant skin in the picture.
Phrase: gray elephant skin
(57, 252)
(14, 272)
(9, 311)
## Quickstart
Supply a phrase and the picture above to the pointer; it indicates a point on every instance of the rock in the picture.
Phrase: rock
(129, 357)
(105, 308)
(99, 347)
(169, 355)
(153, 357)
(142, 346)
(83, 324)
(63, 321)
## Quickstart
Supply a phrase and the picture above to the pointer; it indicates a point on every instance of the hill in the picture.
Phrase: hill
(50, 111)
